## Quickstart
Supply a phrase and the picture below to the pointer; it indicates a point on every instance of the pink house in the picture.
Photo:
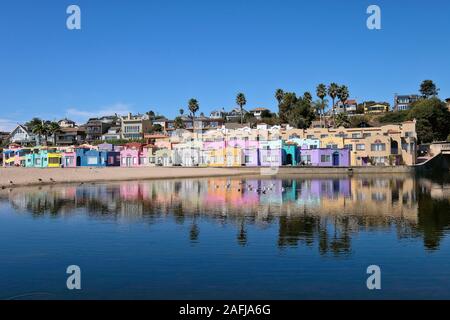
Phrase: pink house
(133, 155)
(69, 158)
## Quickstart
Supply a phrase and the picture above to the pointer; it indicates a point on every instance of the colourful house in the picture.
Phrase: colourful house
(290, 154)
(96, 158)
(43, 158)
(249, 150)
(133, 155)
(324, 157)
(270, 153)
(164, 157)
(15, 156)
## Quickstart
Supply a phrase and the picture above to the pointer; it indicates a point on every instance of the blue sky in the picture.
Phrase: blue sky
(140, 55)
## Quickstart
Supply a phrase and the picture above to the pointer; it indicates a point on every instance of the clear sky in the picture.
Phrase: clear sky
(141, 55)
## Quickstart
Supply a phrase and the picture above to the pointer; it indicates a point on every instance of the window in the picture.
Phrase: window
(248, 159)
(92, 160)
(54, 160)
(349, 147)
(313, 146)
(323, 136)
(365, 135)
(332, 146)
(325, 158)
(378, 147)
(356, 135)
(360, 147)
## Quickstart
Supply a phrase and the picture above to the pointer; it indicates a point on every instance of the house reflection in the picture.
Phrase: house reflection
(324, 212)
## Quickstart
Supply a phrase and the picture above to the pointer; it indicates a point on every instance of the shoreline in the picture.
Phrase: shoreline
(52, 176)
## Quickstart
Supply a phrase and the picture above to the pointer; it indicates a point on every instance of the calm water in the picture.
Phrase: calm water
(238, 238)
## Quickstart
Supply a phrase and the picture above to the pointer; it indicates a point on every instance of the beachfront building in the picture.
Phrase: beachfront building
(164, 157)
(96, 158)
(270, 153)
(324, 157)
(393, 144)
(14, 156)
(188, 154)
(133, 155)
(247, 140)
(43, 158)
(69, 157)
(290, 153)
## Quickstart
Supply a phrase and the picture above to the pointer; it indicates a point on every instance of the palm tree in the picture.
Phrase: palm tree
(307, 97)
(193, 107)
(30, 124)
(279, 94)
(53, 128)
(241, 102)
(39, 129)
(332, 92)
(343, 95)
(321, 92)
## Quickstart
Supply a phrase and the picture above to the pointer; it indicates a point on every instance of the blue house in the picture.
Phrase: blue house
(97, 158)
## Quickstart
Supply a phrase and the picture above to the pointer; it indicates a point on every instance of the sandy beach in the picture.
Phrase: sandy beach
(38, 176)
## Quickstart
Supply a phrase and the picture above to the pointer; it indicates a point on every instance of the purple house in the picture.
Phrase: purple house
(270, 153)
(249, 148)
(325, 157)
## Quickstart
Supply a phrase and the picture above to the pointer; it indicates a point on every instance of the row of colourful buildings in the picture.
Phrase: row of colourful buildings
(262, 146)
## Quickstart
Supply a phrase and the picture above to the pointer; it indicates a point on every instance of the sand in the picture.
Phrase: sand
(30, 176)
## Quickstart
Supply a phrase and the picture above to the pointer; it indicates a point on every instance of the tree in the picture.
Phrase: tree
(343, 95)
(321, 92)
(151, 114)
(53, 128)
(193, 107)
(285, 106)
(428, 89)
(241, 102)
(33, 122)
(307, 97)
(39, 129)
(332, 92)
(433, 120)
(342, 120)
(157, 128)
(279, 94)
(300, 114)
(178, 123)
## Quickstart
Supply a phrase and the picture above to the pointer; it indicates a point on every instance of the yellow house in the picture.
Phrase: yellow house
(332, 142)
(376, 108)
(54, 159)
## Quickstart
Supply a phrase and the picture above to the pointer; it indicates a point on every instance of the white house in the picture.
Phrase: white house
(22, 136)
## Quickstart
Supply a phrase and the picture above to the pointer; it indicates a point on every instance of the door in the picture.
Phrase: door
(336, 159)
(78, 161)
(129, 161)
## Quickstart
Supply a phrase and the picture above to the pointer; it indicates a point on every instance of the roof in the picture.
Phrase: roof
(259, 109)
(134, 145)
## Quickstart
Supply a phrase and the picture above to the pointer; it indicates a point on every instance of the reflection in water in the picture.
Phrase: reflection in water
(326, 212)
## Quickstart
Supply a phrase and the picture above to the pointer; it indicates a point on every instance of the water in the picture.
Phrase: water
(302, 238)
